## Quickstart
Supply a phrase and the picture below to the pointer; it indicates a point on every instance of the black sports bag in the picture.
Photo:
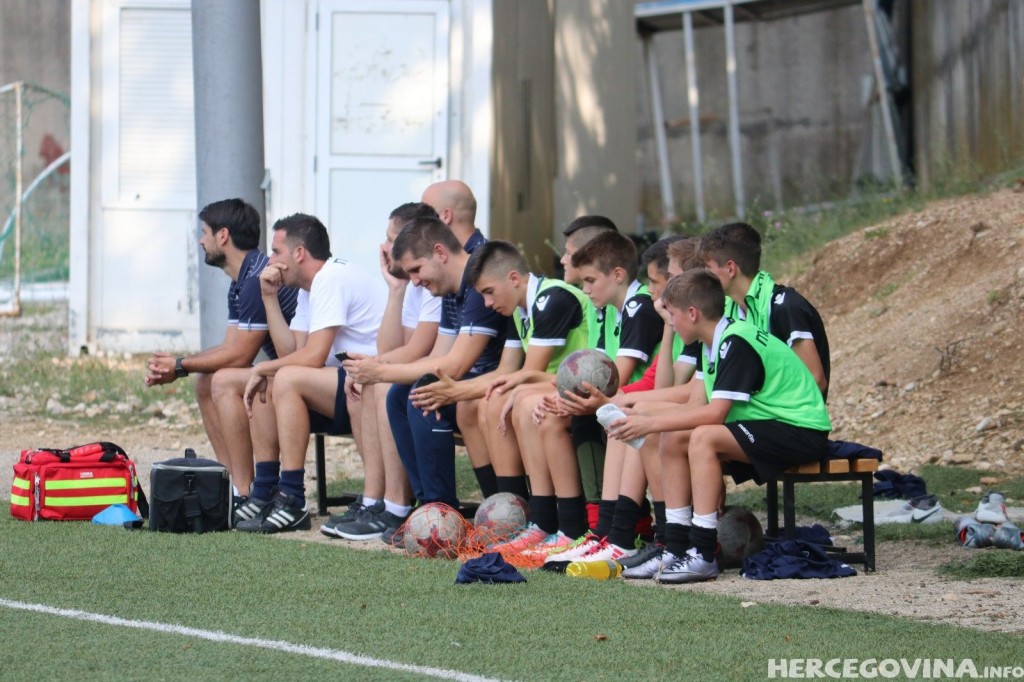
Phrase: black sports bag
(189, 495)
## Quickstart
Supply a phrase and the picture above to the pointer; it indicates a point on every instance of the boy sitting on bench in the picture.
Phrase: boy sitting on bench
(761, 406)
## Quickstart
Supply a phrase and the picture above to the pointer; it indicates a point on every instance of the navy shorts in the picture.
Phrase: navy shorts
(341, 425)
(772, 447)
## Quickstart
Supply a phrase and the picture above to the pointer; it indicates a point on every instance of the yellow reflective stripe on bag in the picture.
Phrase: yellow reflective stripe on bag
(21, 483)
(85, 501)
(19, 500)
(84, 483)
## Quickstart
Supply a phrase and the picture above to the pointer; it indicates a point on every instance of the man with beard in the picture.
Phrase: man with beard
(230, 240)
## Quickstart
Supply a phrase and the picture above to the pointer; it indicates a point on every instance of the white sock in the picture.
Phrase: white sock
(706, 520)
(683, 516)
(399, 510)
(369, 501)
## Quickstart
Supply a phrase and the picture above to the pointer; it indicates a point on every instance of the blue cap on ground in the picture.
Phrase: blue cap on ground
(488, 568)
(118, 515)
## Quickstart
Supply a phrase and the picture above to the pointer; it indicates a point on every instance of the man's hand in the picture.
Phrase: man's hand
(160, 369)
(364, 369)
(257, 384)
(353, 391)
(663, 311)
(502, 384)
(272, 279)
(434, 396)
(625, 400)
(394, 283)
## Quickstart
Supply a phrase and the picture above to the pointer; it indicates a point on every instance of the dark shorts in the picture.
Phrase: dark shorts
(341, 425)
(772, 447)
(586, 429)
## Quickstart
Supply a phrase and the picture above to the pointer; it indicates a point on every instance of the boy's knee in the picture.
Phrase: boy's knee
(204, 385)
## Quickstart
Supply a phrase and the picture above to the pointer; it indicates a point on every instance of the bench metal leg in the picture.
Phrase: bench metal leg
(788, 508)
(321, 475)
(772, 495)
(868, 507)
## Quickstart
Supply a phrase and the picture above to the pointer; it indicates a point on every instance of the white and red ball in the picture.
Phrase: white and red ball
(590, 365)
(434, 530)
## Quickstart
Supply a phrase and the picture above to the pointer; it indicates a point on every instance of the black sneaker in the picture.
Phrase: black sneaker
(345, 517)
(250, 514)
(650, 550)
(285, 516)
(394, 537)
(369, 524)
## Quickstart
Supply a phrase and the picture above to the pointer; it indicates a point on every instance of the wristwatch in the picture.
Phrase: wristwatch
(179, 369)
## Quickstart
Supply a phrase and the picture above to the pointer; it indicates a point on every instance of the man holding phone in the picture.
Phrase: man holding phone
(339, 309)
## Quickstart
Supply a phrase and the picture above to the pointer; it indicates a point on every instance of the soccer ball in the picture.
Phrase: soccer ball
(739, 536)
(590, 365)
(434, 530)
(500, 516)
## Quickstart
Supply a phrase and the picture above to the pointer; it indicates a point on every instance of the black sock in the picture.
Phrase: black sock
(513, 484)
(677, 538)
(486, 479)
(605, 514)
(627, 513)
(544, 513)
(705, 540)
(659, 522)
(572, 516)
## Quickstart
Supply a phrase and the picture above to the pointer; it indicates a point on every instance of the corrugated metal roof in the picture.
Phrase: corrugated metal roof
(666, 15)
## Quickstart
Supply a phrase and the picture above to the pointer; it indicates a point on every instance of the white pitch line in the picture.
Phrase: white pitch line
(275, 645)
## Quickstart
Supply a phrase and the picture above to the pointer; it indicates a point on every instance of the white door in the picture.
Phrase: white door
(381, 115)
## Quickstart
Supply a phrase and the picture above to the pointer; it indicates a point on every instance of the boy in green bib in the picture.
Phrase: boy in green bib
(761, 406)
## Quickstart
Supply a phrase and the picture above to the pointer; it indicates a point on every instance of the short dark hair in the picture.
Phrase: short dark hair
(304, 230)
(607, 251)
(736, 242)
(498, 257)
(698, 288)
(598, 221)
(657, 253)
(685, 251)
(242, 221)
(411, 210)
(419, 236)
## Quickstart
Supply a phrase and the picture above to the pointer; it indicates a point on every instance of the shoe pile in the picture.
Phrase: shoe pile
(920, 509)
(990, 526)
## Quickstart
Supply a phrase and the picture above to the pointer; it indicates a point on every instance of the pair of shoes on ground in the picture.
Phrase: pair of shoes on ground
(920, 509)
(590, 547)
(990, 526)
(665, 567)
(280, 514)
(360, 522)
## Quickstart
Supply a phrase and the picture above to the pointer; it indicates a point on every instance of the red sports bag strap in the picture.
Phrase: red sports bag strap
(110, 451)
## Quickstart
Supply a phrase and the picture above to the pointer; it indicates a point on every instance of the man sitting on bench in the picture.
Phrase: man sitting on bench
(760, 406)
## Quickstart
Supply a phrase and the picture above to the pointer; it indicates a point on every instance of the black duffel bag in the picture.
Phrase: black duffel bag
(189, 494)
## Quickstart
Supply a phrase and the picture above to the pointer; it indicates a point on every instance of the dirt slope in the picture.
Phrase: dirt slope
(924, 314)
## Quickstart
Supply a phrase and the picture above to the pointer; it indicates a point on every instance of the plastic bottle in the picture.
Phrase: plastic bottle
(610, 412)
(595, 570)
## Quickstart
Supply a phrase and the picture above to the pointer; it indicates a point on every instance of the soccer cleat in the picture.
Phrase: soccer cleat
(650, 567)
(368, 523)
(606, 551)
(348, 515)
(976, 535)
(523, 540)
(552, 545)
(1008, 536)
(250, 508)
(577, 549)
(648, 550)
(284, 516)
(692, 568)
(992, 509)
(926, 509)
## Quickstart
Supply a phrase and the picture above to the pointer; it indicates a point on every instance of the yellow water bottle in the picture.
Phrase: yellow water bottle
(595, 570)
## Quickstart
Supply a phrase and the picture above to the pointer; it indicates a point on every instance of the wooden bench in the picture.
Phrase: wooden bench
(829, 471)
(323, 500)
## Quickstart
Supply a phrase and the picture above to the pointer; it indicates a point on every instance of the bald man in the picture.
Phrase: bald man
(456, 206)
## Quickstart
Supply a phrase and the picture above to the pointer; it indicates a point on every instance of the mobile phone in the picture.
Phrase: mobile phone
(426, 380)
(342, 356)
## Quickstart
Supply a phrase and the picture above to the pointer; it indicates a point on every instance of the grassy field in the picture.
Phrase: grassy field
(396, 609)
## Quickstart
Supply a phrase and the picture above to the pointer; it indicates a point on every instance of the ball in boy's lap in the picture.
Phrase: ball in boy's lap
(590, 365)
(434, 530)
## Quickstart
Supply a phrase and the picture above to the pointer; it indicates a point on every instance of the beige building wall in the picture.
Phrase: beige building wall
(595, 112)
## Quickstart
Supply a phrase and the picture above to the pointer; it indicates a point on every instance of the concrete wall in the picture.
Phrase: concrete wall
(968, 84)
(801, 111)
(522, 209)
(597, 67)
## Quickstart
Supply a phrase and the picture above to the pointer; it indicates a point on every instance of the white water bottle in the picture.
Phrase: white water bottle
(610, 412)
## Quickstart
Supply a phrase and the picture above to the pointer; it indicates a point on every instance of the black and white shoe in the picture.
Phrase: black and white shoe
(250, 508)
(285, 516)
